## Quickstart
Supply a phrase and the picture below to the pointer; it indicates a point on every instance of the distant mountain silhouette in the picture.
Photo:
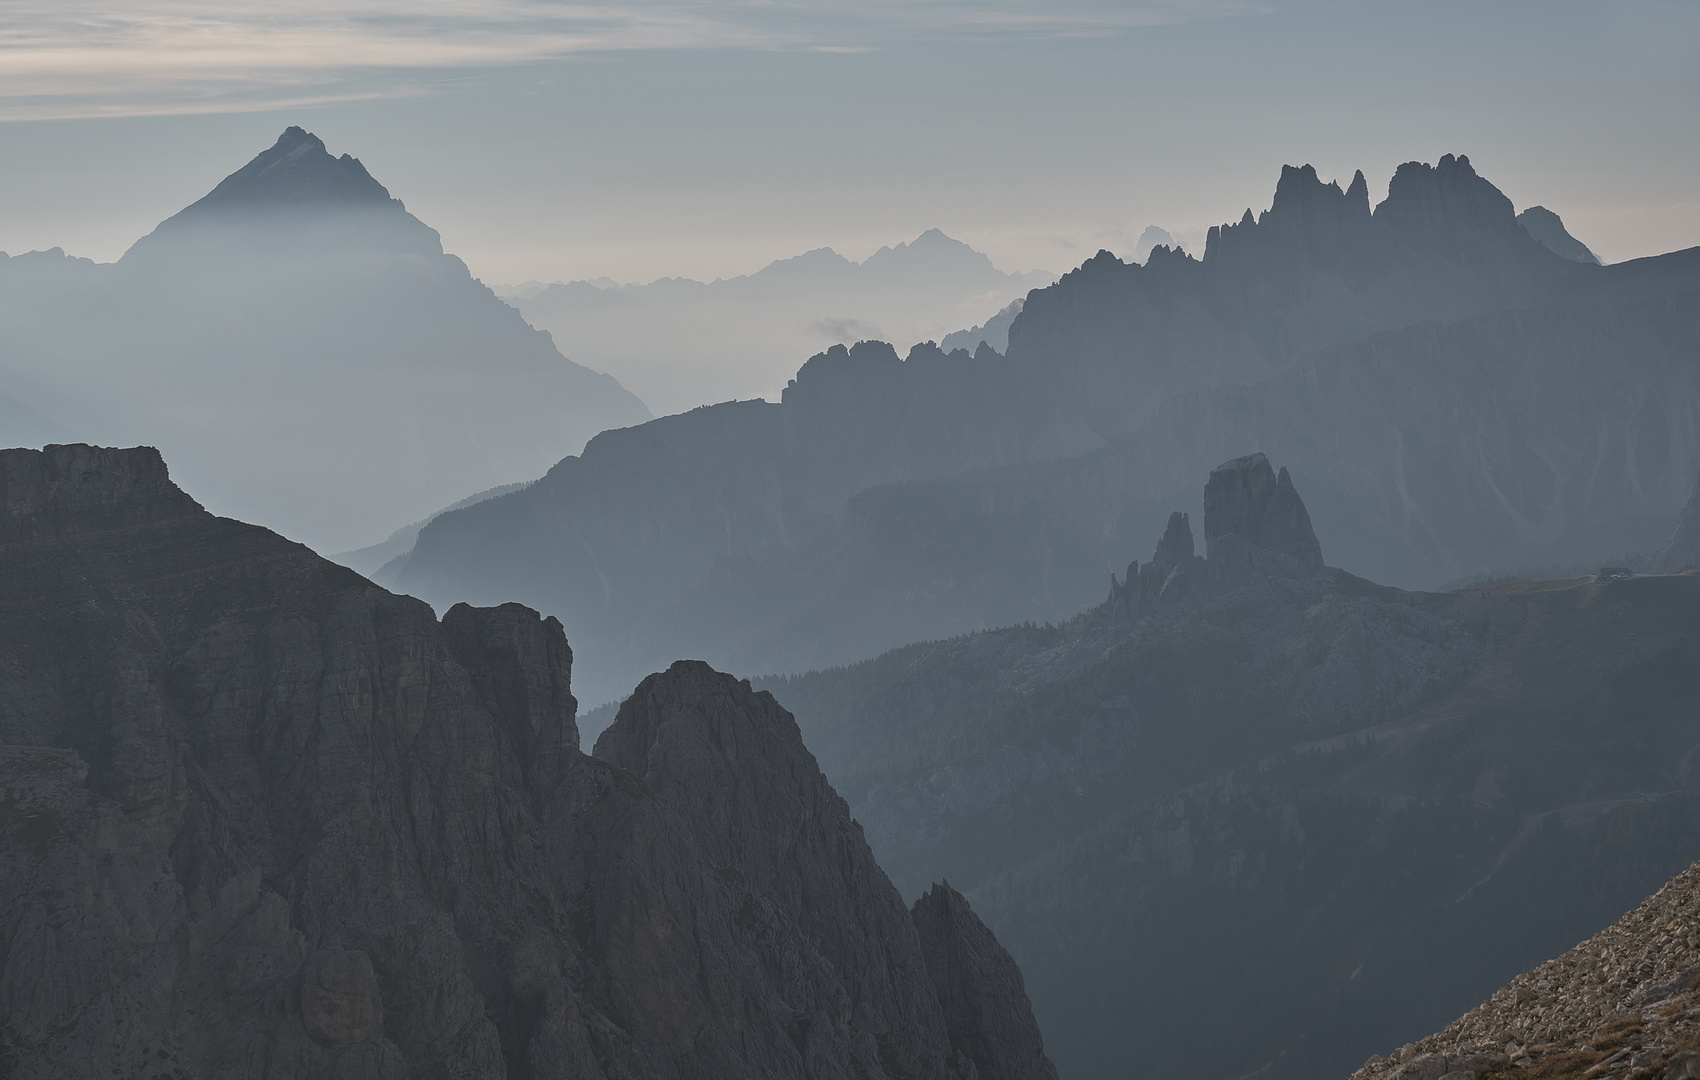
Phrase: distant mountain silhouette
(682, 343)
(1545, 226)
(296, 173)
(994, 332)
(1461, 398)
(305, 351)
(1152, 237)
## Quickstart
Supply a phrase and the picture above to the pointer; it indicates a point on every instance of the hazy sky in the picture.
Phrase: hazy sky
(556, 140)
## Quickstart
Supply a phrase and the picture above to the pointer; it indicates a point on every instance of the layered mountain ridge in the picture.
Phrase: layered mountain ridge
(1459, 398)
(681, 343)
(262, 818)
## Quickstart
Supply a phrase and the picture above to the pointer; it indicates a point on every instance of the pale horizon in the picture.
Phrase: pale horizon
(706, 141)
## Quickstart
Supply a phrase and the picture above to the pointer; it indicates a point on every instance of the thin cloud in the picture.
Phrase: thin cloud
(64, 58)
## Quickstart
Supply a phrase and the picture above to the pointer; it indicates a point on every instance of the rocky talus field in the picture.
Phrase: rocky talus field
(1624, 1004)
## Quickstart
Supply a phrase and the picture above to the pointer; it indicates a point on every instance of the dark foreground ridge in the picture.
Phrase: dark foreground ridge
(1624, 1003)
(260, 818)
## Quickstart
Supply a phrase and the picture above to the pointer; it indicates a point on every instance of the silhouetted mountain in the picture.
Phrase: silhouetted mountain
(1461, 399)
(682, 343)
(258, 814)
(1251, 814)
(305, 351)
(994, 332)
(1545, 226)
(1317, 269)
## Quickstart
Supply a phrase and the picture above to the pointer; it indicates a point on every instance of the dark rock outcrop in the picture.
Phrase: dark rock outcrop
(260, 818)
(980, 988)
(1254, 518)
(1254, 524)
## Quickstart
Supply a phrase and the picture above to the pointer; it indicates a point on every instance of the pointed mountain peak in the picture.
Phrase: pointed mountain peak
(1546, 227)
(296, 173)
(1176, 545)
(928, 253)
(1358, 193)
(297, 195)
(297, 140)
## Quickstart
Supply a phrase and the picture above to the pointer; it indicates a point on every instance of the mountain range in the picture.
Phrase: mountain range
(1457, 398)
(260, 818)
(680, 343)
(1254, 815)
(303, 349)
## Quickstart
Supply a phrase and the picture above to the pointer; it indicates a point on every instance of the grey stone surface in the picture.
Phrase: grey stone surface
(981, 990)
(259, 818)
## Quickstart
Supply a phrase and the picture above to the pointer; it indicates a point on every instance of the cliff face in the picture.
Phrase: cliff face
(261, 818)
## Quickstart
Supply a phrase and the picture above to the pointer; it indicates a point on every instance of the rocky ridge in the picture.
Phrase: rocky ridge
(1385, 353)
(261, 819)
(1624, 1004)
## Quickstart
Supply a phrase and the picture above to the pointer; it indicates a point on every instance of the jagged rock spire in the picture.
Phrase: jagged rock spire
(1176, 546)
(1252, 515)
